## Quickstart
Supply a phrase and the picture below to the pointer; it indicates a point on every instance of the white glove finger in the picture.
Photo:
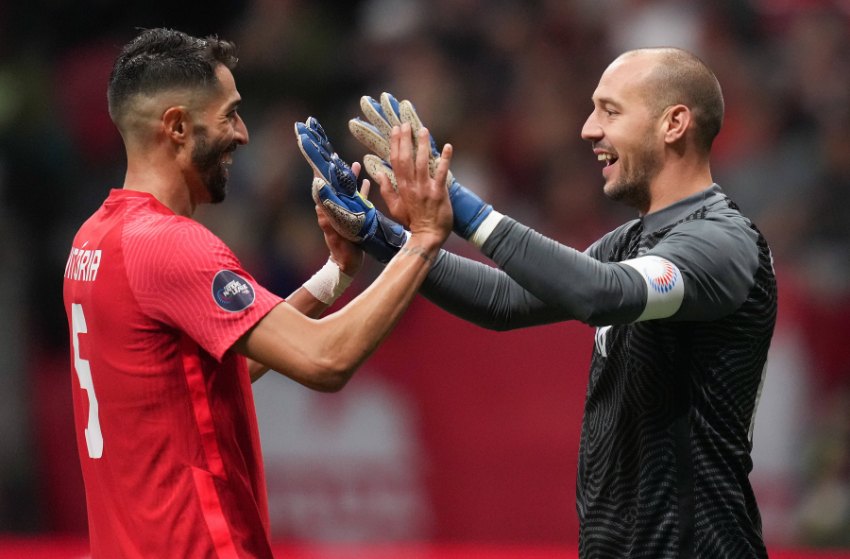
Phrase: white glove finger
(376, 166)
(390, 111)
(408, 114)
(372, 114)
(370, 136)
(318, 183)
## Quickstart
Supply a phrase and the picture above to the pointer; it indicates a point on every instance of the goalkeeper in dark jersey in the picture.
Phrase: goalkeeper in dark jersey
(683, 299)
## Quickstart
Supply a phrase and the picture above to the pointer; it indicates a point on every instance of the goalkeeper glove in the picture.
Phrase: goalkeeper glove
(335, 189)
(469, 209)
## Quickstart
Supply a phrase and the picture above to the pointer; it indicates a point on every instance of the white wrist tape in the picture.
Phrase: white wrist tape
(480, 236)
(328, 283)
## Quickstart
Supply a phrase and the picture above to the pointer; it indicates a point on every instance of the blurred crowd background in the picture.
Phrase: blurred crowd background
(508, 82)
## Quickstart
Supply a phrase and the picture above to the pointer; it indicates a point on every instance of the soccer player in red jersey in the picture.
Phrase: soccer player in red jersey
(168, 329)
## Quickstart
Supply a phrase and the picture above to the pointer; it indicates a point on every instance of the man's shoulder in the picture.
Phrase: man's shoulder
(146, 228)
(156, 241)
(611, 238)
(717, 220)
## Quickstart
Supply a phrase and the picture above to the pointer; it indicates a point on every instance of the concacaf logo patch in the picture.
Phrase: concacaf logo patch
(231, 291)
(661, 275)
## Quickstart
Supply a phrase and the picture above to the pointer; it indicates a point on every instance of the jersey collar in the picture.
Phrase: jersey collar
(679, 210)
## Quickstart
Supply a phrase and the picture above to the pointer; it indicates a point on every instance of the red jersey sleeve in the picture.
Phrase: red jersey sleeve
(187, 278)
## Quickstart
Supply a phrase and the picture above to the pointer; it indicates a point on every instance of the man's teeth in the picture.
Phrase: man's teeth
(607, 157)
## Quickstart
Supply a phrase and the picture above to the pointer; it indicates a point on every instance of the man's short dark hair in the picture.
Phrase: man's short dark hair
(162, 59)
(680, 77)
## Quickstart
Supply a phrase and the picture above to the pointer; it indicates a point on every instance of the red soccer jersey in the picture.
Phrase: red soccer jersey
(165, 418)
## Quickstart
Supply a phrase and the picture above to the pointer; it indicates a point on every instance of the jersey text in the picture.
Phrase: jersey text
(82, 264)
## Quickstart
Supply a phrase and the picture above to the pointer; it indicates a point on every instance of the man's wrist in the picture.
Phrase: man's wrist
(348, 270)
(424, 245)
(485, 229)
(328, 283)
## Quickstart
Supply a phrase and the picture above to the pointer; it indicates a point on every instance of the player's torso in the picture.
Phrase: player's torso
(668, 406)
(150, 406)
(131, 358)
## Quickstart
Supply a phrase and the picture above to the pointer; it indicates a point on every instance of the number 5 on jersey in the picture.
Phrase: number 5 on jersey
(94, 438)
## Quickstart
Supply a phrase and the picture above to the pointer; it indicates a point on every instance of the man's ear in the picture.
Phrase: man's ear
(175, 123)
(677, 121)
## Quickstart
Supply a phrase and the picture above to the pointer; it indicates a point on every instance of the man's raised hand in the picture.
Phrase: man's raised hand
(424, 196)
(374, 133)
(335, 189)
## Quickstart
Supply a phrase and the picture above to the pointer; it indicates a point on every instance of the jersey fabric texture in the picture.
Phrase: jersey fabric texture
(164, 413)
(666, 437)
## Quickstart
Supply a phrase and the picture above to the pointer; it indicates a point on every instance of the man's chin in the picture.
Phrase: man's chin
(634, 195)
(218, 197)
(614, 191)
(217, 191)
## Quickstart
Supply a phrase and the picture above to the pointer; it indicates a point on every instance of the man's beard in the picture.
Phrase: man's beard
(632, 186)
(209, 162)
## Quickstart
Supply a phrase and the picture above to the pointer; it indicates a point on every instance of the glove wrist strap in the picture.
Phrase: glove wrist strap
(480, 235)
(386, 241)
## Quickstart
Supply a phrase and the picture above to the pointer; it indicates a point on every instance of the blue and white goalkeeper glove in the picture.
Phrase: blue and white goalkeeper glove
(470, 211)
(335, 189)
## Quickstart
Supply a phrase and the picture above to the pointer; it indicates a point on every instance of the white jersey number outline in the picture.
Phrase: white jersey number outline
(94, 437)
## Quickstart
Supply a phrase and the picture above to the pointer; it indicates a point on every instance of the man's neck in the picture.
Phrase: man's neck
(677, 183)
(165, 182)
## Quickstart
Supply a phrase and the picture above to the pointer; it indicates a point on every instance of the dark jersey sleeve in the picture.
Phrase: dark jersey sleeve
(701, 269)
(540, 282)
(710, 263)
(485, 295)
(581, 286)
(718, 259)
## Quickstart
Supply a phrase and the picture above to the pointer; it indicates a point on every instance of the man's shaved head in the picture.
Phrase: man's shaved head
(679, 77)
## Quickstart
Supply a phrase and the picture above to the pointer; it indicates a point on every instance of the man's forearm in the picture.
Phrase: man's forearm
(574, 283)
(304, 302)
(484, 295)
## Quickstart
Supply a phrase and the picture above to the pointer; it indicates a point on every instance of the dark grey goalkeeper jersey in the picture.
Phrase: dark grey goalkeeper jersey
(684, 301)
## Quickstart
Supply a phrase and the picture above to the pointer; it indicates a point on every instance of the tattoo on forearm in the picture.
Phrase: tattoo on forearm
(418, 251)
